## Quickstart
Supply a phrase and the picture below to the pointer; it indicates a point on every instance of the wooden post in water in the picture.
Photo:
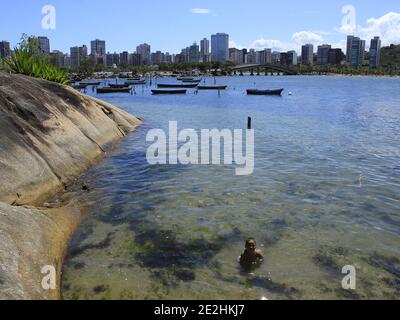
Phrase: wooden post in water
(249, 123)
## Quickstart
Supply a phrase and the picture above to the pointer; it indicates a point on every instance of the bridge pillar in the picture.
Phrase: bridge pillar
(258, 71)
(266, 71)
(235, 73)
(252, 72)
(241, 73)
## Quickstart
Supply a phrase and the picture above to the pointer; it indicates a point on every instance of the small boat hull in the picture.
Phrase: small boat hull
(190, 81)
(118, 86)
(212, 87)
(178, 85)
(277, 92)
(135, 82)
(185, 78)
(114, 90)
(181, 91)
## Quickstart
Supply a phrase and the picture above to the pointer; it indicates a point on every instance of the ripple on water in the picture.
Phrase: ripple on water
(324, 194)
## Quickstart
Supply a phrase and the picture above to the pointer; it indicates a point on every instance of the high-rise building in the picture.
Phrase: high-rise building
(284, 58)
(109, 60)
(180, 57)
(251, 57)
(4, 49)
(78, 54)
(220, 47)
(67, 61)
(44, 45)
(236, 56)
(98, 47)
(157, 57)
(265, 56)
(205, 50)
(57, 58)
(323, 54)
(112, 59)
(124, 58)
(336, 56)
(168, 58)
(276, 57)
(292, 58)
(145, 54)
(307, 54)
(194, 53)
(357, 52)
(244, 53)
(348, 49)
(375, 53)
(134, 59)
(183, 56)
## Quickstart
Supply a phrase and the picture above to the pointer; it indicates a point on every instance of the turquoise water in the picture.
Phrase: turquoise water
(325, 193)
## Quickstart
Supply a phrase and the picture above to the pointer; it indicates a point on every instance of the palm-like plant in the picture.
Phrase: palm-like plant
(25, 60)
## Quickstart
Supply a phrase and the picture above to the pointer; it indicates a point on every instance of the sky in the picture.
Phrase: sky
(172, 25)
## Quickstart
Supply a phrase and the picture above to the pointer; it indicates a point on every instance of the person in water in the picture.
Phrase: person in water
(251, 256)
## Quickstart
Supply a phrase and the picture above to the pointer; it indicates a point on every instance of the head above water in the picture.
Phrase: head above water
(251, 244)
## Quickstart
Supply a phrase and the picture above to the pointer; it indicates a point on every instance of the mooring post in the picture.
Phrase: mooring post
(249, 123)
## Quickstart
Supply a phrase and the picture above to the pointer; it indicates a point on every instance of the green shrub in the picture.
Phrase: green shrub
(26, 60)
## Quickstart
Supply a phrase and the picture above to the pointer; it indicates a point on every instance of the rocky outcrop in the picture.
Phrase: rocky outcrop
(49, 134)
(32, 239)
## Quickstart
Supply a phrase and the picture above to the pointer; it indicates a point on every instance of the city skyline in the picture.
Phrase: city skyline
(220, 51)
(310, 22)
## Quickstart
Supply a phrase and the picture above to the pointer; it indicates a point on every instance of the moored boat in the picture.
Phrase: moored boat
(118, 85)
(135, 82)
(177, 85)
(277, 92)
(184, 78)
(191, 80)
(176, 91)
(212, 87)
(114, 90)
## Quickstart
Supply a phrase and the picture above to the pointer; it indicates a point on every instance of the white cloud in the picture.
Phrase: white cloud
(386, 27)
(298, 39)
(275, 45)
(200, 11)
(305, 37)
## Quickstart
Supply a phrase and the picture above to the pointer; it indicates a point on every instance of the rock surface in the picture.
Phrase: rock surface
(30, 240)
(49, 134)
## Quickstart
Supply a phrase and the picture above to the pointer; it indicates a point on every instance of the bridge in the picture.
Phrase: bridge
(256, 68)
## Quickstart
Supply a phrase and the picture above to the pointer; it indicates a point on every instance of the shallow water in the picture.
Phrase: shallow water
(325, 193)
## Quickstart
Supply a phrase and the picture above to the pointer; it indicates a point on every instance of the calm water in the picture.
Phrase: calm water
(325, 193)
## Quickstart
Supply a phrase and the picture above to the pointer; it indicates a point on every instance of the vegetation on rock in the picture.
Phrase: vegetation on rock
(28, 60)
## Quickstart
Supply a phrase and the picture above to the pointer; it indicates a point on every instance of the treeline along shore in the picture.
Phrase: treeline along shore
(49, 135)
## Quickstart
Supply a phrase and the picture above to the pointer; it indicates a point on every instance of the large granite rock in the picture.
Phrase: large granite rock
(49, 134)
(30, 240)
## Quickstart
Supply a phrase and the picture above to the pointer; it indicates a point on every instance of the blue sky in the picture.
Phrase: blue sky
(173, 24)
